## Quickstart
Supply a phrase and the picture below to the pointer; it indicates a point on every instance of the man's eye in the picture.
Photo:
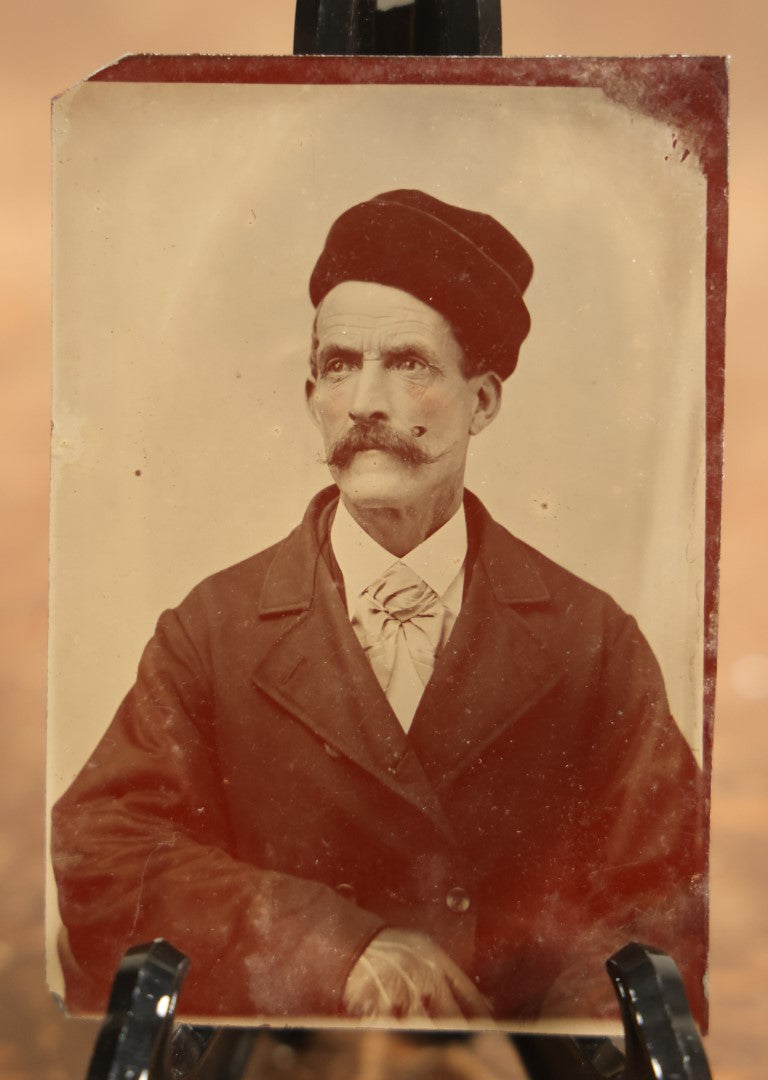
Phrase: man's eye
(409, 363)
(338, 365)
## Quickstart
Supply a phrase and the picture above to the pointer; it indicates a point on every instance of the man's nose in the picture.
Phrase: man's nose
(370, 400)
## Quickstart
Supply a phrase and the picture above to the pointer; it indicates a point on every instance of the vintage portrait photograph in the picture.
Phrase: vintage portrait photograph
(385, 496)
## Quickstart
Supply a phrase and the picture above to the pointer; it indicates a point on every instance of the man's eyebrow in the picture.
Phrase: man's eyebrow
(418, 349)
(408, 349)
(343, 352)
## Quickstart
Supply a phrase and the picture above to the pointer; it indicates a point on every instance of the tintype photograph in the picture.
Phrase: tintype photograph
(385, 484)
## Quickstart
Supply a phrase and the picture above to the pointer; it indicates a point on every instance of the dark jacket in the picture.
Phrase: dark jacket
(256, 802)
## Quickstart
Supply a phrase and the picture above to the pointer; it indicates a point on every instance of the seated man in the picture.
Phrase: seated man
(399, 764)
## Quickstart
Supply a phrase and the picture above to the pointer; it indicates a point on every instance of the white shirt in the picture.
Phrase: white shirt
(439, 561)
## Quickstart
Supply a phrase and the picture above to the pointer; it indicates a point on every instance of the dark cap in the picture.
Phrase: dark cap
(462, 263)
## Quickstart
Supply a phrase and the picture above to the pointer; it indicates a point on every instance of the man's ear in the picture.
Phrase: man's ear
(309, 396)
(487, 389)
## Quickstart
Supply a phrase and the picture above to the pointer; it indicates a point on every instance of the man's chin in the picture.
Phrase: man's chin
(374, 479)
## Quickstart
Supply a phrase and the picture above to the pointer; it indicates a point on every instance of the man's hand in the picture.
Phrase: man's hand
(403, 974)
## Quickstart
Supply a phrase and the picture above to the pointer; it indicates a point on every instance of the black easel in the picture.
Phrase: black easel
(412, 28)
(138, 1040)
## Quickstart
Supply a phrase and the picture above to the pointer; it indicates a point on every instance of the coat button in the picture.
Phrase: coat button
(457, 900)
(347, 891)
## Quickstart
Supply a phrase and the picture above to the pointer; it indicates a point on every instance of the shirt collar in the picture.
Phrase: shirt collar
(438, 560)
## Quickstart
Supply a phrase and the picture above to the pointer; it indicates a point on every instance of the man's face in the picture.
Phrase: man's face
(390, 397)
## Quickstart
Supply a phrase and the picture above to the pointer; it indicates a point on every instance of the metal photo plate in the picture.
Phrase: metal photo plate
(327, 843)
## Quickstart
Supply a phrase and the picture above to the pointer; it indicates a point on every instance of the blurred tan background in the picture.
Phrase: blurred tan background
(46, 48)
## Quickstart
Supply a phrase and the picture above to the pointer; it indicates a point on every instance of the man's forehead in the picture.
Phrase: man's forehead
(355, 307)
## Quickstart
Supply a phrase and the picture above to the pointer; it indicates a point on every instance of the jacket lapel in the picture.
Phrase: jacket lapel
(493, 668)
(315, 669)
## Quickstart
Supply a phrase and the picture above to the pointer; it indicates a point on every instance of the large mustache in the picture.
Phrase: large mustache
(375, 436)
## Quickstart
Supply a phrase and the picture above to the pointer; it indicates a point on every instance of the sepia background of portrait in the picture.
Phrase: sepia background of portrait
(47, 49)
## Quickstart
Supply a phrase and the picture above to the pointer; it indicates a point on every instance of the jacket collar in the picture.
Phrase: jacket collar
(289, 585)
(508, 563)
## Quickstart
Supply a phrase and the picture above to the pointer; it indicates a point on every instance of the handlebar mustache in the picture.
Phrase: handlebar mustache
(374, 436)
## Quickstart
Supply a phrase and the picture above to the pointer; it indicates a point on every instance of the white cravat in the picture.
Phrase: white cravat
(437, 563)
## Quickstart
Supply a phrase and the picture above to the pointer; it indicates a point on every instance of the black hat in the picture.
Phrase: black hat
(462, 263)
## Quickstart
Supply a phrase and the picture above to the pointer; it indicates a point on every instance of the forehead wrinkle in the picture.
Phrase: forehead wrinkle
(385, 326)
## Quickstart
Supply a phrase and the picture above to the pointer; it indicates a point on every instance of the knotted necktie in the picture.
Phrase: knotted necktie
(400, 621)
